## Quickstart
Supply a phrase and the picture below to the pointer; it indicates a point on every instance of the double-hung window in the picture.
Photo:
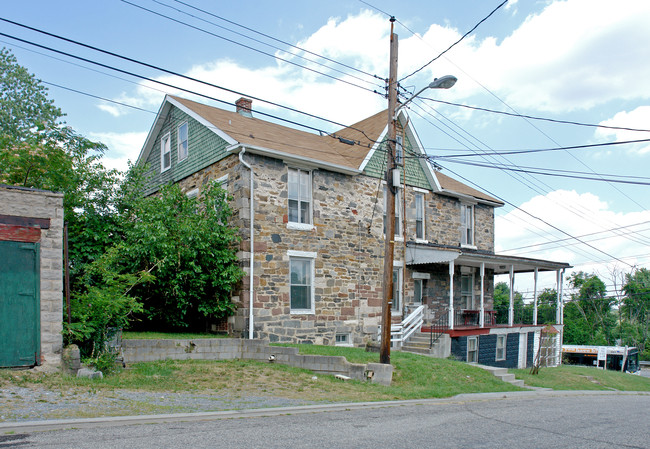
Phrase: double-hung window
(419, 216)
(299, 194)
(398, 212)
(467, 291)
(182, 141)
(165, 152)
(467, 225)
(472, 349)
(301, 279)
(501, 347)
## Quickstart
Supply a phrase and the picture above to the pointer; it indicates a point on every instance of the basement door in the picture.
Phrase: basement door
(19, 304)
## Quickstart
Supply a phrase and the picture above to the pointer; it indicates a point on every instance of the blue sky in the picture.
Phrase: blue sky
(577, 60)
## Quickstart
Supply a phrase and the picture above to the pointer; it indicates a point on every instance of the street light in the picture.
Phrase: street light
(444, 82)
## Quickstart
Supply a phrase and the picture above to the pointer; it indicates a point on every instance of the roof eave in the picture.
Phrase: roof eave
(294, 159)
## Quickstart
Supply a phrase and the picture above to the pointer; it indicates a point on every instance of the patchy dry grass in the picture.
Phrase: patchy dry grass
(571, 377)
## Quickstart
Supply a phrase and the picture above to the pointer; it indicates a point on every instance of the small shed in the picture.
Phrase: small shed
(31, 277)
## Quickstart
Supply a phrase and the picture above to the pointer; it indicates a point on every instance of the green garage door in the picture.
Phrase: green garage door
(19, 304)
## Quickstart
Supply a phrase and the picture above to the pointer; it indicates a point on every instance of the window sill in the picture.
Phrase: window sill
(421, 241)
(300, 226)
(302, 312)
(468, 246)
(165, 169)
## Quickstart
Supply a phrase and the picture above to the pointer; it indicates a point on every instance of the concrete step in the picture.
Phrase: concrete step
(502, 373)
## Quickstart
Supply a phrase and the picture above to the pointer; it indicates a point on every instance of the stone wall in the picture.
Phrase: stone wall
(21, 203)
(345, 242)
(230, 348)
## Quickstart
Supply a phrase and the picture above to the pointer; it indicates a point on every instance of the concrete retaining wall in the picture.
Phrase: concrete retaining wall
(233, 348)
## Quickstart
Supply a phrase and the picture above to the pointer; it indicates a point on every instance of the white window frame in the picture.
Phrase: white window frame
(309, 257)
(419, 217)
(418, 292)
(467, 297)
(398, 213)
(165, 148)
(183, 151)
(346, 343)
(298, 224)
(501, 347)
(467, 225)
(472, 351)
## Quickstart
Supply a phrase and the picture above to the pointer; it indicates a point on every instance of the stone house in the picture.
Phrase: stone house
(310, 211)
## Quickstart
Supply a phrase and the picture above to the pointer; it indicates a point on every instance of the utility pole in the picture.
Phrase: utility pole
(389, 246)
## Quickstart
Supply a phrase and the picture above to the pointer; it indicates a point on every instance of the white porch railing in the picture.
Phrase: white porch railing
(399, 333)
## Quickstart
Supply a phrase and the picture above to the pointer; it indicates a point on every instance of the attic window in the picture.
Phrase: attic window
(182, 141)
(165, 152)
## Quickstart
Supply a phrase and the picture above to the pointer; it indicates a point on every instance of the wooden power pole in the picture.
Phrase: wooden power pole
(391, 186)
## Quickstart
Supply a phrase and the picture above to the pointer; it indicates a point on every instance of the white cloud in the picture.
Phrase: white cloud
(121, 147)
(638, 118)
(578, 214)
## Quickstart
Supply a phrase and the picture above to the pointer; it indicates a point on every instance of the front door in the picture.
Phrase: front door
(19, 304)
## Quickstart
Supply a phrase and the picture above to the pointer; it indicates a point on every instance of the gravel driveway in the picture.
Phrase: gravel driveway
(28, 404)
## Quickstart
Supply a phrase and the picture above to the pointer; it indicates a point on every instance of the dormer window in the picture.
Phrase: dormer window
(466, 225)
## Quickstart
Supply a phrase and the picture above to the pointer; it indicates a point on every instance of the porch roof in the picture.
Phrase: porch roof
(423, 254)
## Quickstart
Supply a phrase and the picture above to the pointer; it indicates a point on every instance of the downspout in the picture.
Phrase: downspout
(252, 248)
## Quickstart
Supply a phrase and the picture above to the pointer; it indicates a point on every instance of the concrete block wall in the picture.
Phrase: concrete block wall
(232, 348)
(31, 203)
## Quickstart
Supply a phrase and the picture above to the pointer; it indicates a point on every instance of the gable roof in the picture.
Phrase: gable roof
(346, 151)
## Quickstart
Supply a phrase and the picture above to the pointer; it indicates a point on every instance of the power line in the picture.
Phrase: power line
(98, 97)
(601, 177)
(171, 72)
(251, 48)
(540, 219)
(274, 39)
(583, 235)
(455, 43)
(542, 150)
(566, 122)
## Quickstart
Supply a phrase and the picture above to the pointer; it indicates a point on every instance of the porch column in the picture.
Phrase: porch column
(511, 312)
(451, 294)
(481, 318)
(535, 298)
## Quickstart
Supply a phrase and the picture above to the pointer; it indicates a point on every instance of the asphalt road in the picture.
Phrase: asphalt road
(544, 419)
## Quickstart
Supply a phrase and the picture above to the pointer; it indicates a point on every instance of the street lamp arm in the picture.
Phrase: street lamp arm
(444, 82)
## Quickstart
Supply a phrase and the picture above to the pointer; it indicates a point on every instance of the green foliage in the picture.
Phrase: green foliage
(502, 302)
(588, 318)
(190, 249)
(635, 311)
(105, 303)
(24, 105)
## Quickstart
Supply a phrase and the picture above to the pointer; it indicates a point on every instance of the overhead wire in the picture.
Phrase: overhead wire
(455, 43)
(171, 72)
(256, 49)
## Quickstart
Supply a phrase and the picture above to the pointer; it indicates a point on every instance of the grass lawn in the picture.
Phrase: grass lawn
(571, 377)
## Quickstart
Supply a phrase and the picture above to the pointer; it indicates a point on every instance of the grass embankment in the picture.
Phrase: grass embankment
(571, 377)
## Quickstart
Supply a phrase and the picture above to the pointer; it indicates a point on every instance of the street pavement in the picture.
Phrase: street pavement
(547, 419)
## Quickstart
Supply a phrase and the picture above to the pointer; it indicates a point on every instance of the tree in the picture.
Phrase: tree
(502, 302)
(190, 249)
(24, 105)
(547, 306)
(635, 310)
(587, 316)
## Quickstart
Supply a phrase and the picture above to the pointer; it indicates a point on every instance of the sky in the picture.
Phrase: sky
(580, 61)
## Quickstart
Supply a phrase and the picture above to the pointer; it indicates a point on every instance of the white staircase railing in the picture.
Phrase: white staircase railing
(399, 333)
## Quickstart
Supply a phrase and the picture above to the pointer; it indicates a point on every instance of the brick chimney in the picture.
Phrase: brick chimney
(244, 107)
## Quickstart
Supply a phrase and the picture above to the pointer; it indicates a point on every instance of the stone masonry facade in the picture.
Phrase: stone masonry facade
(344, 245)
(28, 205)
